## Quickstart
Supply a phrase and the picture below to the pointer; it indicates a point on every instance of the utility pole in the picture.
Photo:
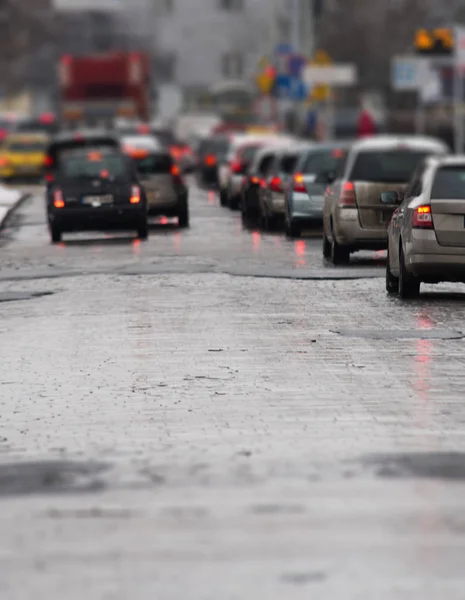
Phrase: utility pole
(296, 25)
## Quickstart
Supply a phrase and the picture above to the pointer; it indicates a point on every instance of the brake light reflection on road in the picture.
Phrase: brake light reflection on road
(300, 249)
(136, 246)
(256, 240)
(211, 197)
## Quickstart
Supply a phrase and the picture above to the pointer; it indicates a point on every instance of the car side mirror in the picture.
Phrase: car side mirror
(390, 198)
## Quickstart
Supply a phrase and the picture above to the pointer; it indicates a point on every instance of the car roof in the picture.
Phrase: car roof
(448, 160)
(387, 142)
(67, 136)
(34, 136)
(143, 142)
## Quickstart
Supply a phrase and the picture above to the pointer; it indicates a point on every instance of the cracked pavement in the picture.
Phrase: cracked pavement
(215, 413)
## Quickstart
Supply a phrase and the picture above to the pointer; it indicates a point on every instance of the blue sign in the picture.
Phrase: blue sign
(283, 49)
(295, 64)
(290, 88)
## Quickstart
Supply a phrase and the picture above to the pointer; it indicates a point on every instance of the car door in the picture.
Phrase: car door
(399, 216)
(448, 205)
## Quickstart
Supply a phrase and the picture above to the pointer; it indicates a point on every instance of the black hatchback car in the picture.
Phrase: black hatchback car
(96, 190)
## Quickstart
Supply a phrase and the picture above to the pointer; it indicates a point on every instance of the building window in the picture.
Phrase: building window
(231, 5)
(232, 65)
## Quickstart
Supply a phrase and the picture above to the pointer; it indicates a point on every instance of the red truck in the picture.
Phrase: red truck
(98, 88)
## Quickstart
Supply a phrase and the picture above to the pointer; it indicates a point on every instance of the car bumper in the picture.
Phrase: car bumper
(208, 175)
(69, 219)
(235, 185)
(425, 258)
(304, 208)
(348, 232)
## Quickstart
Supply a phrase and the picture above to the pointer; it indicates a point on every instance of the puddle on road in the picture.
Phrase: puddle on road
(16, 296)
(425, 465)
(401, 334)
(47, 477)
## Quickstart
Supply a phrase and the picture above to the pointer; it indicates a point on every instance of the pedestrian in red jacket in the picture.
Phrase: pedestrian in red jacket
(366, 125)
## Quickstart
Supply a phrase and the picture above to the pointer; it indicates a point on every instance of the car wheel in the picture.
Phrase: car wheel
(233, 202)
(340, 255)
(409, 285)
(392, 282)
(55, 234)
(183, 216)
(143, 230)
(223, 197)
(326, 246)
(292, 229)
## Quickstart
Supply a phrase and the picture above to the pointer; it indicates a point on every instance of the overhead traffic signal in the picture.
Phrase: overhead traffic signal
(435, 42)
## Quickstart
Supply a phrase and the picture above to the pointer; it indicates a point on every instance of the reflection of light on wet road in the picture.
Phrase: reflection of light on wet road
(177, 240)
(136, 246)
(299, 249)
(211, 197)
(422, 380)
(256, 240)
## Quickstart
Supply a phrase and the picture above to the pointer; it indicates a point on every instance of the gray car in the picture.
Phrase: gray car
(426, 235)
(303, 202)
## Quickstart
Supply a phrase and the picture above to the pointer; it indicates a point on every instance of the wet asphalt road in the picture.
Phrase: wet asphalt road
(214, 413)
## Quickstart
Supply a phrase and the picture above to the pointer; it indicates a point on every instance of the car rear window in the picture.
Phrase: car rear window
(288, 163)
(165, 137)
(25, 147)
(218, 147)
(247, 153)
(393, 166)
(57, 149)
(449, 184)
(323, 161)
(37, 127)
(154, 164)
(93, 164)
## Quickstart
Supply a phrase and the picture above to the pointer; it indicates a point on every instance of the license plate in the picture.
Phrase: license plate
(98, 200)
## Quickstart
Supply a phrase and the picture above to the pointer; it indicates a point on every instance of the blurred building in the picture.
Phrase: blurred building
(198, 42)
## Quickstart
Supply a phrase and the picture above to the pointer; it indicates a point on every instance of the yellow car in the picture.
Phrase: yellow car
(23, 156)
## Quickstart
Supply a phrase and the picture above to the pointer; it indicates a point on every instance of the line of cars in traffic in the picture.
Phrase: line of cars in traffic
(105, 180)
(403, 194)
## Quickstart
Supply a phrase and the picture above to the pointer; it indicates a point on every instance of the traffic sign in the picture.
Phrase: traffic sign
(407, 73)
(339, 75)
(320, 93)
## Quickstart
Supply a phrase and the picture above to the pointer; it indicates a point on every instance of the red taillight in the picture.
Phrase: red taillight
(143, 129)
(48, 161)
(49, 178)
(175, 171)
(299, 183)
(422, 218)
(135, 195)
(58, 201)
(347, 197)
(236, 167)
(258, 181)
(210, 160)
(276, 185)
(3, 161)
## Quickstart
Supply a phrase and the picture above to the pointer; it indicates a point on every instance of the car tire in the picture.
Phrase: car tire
(392, 282)
(223, 197)
(292, 229)
(143, 230)
(183, 216)
(55, 234)
(233, 202)
(409, 285)
(340, 255)
(326, 246)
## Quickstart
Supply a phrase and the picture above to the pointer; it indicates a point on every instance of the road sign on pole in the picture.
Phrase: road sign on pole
(408, 73)
(338, 75)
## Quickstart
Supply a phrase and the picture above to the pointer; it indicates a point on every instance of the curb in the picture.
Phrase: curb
(6, 211)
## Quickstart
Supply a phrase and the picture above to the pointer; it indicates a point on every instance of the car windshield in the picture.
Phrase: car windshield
(386, 166)
(165, 137)
(93, 164)
(37, 127)
(154, 164)
(449, 184)
(26, 147)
